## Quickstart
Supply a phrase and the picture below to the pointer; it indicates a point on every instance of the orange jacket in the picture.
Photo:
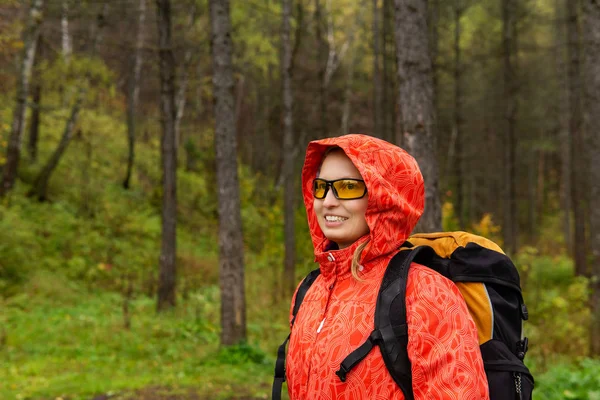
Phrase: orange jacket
(337, 313)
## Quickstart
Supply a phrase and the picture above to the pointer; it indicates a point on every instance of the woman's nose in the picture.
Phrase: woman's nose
(330, 200)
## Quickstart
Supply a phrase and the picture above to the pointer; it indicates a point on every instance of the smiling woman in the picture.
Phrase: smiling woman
(363, 197)
(341, 218)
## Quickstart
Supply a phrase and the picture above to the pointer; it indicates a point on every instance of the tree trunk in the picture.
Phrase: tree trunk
(591, 38)
(180, 98)
(168, 268)
(13, 150)
(322, 68)
(388, 81)
(231, 257)
(509, 230)
(64, 31)
(346, 108)
(134, 90)
(417, 111)
(458, 118)
(577, 149)
(34, 126)
(347, 105)
(433, 18)
(563, 123)
(377, 83)
(289, 194)
(40, 186)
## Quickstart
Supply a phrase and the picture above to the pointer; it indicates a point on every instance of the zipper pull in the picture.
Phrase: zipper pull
(321, 326)
(517, 377)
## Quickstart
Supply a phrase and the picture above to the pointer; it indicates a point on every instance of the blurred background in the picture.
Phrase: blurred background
(151, 224)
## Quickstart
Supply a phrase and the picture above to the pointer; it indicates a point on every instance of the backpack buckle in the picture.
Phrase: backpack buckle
(342, 372)
(524, 312)
(522, 347)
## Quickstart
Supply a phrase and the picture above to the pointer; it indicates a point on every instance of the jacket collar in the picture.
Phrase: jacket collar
(336, 264)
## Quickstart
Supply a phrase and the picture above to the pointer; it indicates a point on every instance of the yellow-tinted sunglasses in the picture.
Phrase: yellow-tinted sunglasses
(343, 189)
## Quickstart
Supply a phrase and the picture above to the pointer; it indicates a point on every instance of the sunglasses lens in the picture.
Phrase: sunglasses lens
(319, 188)
(350, 189)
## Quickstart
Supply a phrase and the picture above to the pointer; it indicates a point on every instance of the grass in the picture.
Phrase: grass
(61, 340)
(73, 345)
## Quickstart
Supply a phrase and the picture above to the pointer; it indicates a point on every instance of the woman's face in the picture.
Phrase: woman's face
(342, 221)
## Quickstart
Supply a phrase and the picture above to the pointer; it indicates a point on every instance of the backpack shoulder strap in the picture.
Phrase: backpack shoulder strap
(390, 316)
(390, 328)
(302, 289)
(279, 377)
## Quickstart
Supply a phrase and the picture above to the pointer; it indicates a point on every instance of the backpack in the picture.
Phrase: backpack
(489, 283)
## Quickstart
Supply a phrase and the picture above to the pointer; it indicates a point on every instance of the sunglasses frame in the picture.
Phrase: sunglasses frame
(329, 184)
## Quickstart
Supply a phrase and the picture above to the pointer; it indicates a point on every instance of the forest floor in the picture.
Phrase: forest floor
(61, 343)
(165, 393)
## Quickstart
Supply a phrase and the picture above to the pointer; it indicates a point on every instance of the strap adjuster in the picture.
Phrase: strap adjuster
(522, 347)
(342, 372)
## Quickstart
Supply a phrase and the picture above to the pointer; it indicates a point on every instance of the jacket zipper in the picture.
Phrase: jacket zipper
(330, 290)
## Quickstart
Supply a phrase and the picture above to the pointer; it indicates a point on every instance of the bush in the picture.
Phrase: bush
(580, 381)
(242, 353)
(559, 315)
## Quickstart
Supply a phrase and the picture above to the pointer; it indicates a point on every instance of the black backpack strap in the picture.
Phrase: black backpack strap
(279, 377)
(390, 318)
(387, 332)
(302, 289)
(391, 329)
(279, 371)
(357, 355)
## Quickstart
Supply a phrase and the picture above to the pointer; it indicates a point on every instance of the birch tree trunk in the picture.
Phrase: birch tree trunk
(40, 185)
(377, 82)
(578, 169)
(168, 267)
(509, 229)
(13, 149)
(591, 38)
(231, 255)
(134, 91)
(289, 194)
(415, 94)
(64, 31)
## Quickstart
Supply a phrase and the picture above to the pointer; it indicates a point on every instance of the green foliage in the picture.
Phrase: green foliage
(552, 293)
(121, 240)
(60, 74)
(565, 382)
(85, 349)
(252, 28)
(242, 353)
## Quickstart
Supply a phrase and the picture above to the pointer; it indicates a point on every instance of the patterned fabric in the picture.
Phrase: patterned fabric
(337, 313)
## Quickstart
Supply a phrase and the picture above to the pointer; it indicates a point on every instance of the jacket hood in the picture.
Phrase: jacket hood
(395, 189)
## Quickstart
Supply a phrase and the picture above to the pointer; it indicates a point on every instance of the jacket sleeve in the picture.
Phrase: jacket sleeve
(442, 340)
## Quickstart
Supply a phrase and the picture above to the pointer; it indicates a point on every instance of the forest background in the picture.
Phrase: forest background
(124, 272)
